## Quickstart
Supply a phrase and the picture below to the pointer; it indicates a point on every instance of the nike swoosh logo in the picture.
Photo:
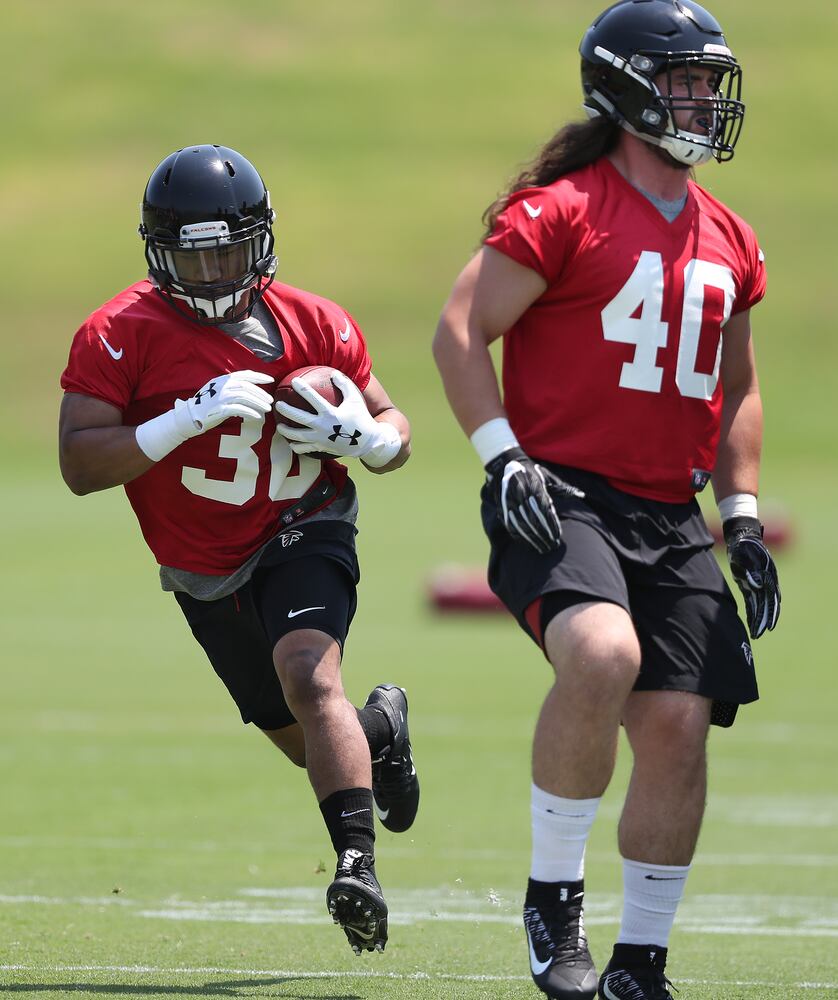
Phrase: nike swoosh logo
(302, 611)
(536, 966)
(382, 814)
(665, 878)
(345, 333)
(116, 355)
(354, 812)
(533, 213)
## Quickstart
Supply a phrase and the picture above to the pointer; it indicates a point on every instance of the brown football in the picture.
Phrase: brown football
(319, 377)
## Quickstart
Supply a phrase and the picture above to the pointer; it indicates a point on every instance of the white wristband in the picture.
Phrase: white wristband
(738, 505)
(160, 435)
(389, 445)
(492, 438)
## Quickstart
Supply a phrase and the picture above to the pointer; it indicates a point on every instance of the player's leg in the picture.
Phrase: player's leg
(658, 832)
(307, 606)
(291, 741)
(694, 651)
(572, 603)
(595, 655)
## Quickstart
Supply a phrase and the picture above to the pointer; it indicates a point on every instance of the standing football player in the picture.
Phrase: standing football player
(168, 392)
(622, 291)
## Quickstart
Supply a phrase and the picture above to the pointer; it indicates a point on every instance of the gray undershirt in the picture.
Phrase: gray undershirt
(670, 210)
(260, 334)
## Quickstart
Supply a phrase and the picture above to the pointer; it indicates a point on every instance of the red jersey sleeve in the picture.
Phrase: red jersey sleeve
(99, 364)
(346, 348)
(752, 286)
(534, 230)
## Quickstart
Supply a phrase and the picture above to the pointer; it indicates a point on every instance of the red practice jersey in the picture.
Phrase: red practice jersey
(215, 499)
(615, 368)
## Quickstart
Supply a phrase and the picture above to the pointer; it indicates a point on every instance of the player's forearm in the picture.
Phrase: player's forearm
(740, 445)
(98, 458)
(468, 374)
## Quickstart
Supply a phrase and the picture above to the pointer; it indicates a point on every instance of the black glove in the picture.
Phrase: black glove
(522, 492)
(754, 570)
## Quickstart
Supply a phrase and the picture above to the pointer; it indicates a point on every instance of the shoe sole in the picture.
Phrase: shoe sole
(360, 912)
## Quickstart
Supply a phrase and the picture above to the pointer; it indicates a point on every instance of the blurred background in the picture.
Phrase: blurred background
(382, 130)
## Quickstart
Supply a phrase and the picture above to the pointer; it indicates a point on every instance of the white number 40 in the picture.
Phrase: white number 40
(648, 332)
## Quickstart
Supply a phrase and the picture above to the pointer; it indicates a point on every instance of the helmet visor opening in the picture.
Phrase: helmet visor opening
(219, 263)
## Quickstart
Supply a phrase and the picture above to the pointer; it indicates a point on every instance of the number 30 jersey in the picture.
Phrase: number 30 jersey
(615, 368)
(216, 499)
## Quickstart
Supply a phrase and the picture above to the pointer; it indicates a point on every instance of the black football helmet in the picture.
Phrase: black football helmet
(634, 41)
(206, 221)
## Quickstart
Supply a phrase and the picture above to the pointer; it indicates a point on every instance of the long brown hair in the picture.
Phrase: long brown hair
(574, 146)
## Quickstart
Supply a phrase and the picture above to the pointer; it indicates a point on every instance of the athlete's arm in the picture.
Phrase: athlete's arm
(491, 293)
(95, 451)
(381, 407)
(740, 440)
(736, 479)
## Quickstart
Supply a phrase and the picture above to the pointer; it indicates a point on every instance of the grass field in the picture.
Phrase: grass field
(152, 847)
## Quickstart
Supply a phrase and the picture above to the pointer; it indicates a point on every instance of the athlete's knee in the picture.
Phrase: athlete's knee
(308, 669)
(671, 725)
(596, 646)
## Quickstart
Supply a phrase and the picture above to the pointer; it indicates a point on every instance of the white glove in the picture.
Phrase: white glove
(346, 430)
(234, 395)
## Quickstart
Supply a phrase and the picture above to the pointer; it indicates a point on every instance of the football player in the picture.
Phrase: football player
(168, 392)
(622, 291)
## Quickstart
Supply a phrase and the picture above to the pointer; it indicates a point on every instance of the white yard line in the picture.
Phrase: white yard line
(151, 970)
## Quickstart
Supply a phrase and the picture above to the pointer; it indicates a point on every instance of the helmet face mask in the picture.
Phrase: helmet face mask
(643, 62)
(206, 222)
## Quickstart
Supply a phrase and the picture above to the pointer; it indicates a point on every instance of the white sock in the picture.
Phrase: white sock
(560, 830)
(651, 897)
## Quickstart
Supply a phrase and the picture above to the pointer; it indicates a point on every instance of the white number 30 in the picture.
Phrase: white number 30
(242, 487)
(648, 332)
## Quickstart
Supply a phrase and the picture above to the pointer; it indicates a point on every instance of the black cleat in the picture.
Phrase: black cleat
(355, 902)
(635, 972)
(395, 787)
(560, 962)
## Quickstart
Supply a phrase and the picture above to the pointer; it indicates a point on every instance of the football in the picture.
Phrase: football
(319, 377)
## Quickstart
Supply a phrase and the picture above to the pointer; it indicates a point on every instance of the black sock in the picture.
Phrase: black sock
(637, 956)
(348, 816)
(376, 729)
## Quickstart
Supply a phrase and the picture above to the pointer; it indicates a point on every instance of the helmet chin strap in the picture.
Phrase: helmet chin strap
(214, 307)
(687, 147)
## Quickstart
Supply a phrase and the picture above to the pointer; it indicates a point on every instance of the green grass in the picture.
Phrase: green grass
(145, 836)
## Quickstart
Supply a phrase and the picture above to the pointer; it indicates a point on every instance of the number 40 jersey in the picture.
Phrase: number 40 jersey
(615, 368)
(216, 499)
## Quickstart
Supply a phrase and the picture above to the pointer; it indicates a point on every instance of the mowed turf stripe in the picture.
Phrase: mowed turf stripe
(150, 970)
(27, 842)
(740, 915)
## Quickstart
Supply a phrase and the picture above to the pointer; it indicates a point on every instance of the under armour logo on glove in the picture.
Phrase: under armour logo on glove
(353, 438)
(754, 571)
(376, 441)
(208, 390)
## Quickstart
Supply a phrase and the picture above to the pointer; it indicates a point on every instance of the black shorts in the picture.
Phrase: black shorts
(655, 560)
(306, 578)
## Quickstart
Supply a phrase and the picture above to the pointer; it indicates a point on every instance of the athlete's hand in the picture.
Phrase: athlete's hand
(523, 492)
(234, 395)
(754, 571)
(346, 429)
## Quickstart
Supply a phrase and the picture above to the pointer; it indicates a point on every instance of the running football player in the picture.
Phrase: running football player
(622, 291)
(168, 392)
